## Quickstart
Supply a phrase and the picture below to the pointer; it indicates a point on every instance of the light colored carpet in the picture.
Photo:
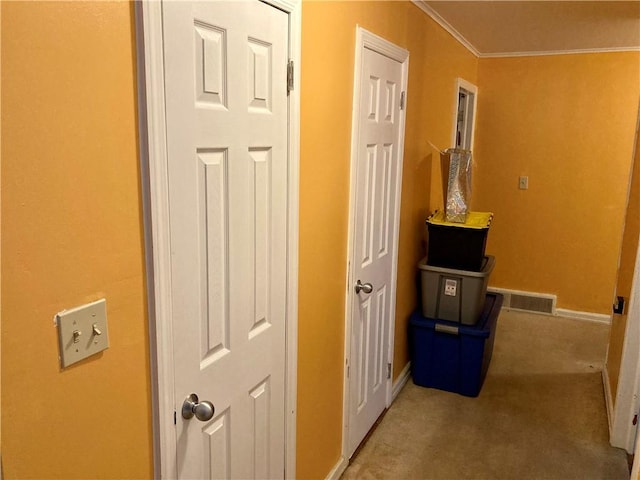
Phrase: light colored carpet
(540, 414)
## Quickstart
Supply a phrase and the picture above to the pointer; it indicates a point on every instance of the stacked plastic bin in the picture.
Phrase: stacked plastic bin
(451, 335)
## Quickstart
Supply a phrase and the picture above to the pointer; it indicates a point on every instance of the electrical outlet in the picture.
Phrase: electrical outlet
(82, 332)
(523, 183)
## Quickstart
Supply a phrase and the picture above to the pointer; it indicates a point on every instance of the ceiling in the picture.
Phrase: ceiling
(507, 28)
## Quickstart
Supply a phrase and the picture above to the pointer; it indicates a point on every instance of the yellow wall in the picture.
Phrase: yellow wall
(71, 233)
(628, 254)
(328, 44)
(1, 475)
(566, 121)
(72, 226)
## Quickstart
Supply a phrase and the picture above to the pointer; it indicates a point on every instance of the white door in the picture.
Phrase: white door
(378, 156)
(226, 114)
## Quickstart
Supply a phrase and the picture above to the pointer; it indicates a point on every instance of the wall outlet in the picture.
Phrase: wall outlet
(523, 183)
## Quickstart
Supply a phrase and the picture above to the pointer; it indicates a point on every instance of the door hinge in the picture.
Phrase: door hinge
(289, 76)
(388, 370)
(402, 95)
(175, 418)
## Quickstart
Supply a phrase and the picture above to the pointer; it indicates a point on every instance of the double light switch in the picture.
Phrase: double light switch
(82, 332)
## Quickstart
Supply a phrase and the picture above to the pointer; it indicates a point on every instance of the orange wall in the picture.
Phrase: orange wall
(628, 254)
(566, 121)
(1, 475)
(71, 233)
(328, 44)
(72, 226)
(631, 230)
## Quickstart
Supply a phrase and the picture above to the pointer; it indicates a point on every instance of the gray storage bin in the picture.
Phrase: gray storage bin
(454, 295)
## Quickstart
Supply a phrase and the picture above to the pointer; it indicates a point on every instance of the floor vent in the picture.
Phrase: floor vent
(531, 303)
(528, 301)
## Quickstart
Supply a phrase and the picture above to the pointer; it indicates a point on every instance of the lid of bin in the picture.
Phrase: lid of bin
(487, 320)
(474, 220)
(488, 262)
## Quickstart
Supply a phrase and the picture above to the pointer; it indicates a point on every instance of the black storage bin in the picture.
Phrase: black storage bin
(459, 246)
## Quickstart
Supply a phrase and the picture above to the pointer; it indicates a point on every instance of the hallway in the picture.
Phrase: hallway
(540, 415)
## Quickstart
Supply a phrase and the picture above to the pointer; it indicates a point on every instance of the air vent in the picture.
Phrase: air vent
(528, 301)
(531, 303)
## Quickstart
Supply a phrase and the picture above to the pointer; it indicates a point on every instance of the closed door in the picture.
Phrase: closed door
(226, 114)
(374, 251)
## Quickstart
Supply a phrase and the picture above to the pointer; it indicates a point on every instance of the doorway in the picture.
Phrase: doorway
(464, 114)
(221, 211)
(380, 84)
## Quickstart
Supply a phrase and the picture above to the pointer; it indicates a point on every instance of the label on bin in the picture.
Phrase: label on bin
(450, 287)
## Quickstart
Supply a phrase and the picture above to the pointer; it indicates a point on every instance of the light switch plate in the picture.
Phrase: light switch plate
(82, 332)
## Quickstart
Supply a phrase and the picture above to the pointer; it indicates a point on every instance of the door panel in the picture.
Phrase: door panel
(377, 172)
(227, 114)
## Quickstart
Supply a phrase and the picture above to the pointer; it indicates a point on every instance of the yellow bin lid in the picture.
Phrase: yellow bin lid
(474, 220)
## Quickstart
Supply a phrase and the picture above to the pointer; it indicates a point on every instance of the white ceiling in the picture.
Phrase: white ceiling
(506, 28)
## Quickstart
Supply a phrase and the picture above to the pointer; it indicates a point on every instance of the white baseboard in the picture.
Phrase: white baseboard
(608, 399)
(402, 380)
(339, 469)
(588, 316)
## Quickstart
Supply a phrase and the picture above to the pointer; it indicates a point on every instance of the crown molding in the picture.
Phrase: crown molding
(422, 5)
(559, 52)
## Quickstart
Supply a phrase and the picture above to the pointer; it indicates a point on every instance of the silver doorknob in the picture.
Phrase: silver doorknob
(202, 410)
(365, 287)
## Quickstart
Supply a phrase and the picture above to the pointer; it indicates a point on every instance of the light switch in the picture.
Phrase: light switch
(82, 332)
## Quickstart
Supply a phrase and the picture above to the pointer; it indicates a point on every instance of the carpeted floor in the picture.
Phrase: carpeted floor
(540, 415)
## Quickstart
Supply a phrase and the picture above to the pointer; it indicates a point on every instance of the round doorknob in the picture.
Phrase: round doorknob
(365, 287)
(203, 411)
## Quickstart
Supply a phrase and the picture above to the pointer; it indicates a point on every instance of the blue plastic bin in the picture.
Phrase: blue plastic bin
(451, 356)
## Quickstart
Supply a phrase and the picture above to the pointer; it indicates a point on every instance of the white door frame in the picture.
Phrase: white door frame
(469, 87)
(627, 402)
(154, 175)
(635, 469)
(622, 410)
(371, 41)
